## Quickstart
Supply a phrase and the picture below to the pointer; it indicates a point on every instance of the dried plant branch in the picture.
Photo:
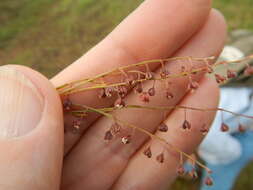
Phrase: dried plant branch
(152, 136)
(98, 82)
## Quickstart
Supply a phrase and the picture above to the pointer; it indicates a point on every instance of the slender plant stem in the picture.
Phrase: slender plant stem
(152, 136)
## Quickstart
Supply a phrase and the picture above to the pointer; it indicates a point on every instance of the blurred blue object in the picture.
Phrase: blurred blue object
(224, 176)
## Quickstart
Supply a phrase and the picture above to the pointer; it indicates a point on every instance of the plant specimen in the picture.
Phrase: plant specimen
(132, 78)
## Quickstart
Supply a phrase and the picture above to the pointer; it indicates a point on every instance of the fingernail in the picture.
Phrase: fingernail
(21, 103)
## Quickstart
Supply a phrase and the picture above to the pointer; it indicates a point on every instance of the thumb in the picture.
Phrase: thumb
(31, 131)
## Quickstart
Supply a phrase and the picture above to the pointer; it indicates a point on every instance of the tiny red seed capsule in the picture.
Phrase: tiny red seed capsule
(208, 181)
(144, 97)
(130, 80)
(231, 74)
(193, 85)
(101, 93)
(160, 158)
(108, 92)
(76, 126)
(248, 71)
(149, 76)
(241, 128)
(224, 127)
(163, 127)
(180, 170)
(204, 130)
(151, 91)
(186, 125)
(108, 135)
(138, 88)
(164, 73)
(122, 91)
(67, 104)
(169, 95)
(147, 152)
(193, 174)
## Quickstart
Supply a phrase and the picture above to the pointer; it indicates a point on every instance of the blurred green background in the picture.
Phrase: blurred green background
(48, 35)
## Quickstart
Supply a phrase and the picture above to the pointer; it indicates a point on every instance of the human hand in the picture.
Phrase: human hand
(157, 29)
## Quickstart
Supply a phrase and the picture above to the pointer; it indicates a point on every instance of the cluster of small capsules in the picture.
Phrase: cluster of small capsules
(221, 79)
(130, 82)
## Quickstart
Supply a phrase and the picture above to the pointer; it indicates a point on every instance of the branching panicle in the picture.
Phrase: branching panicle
(133, 77)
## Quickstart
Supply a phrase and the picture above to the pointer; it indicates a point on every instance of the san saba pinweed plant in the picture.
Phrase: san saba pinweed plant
(133, 77)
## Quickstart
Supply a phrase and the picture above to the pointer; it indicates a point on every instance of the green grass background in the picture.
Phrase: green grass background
(48, 35)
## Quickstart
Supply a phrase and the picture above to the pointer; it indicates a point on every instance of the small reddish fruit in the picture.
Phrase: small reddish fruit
(169, 95)
(122, 91)
(204, 130)
(193, 85)
(181, 170)
(186, 125)
(248, 71)
(164, 73)
(101, 93)
(231, 74)
(193, 174)
(138, 88)
(147, 152)
(109, 91)
(67, 104)
(144, 97)
(224, 127)
(160, 158)
(241, 128)
(108, 135)
(219, 78)
(149, 76)
(208, 181)
(151, 91)
(163, 127)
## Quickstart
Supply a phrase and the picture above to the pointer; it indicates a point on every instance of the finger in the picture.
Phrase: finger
(115, 155)
(145, 173)
(154, 30)
(31, 132)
